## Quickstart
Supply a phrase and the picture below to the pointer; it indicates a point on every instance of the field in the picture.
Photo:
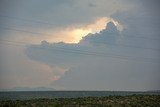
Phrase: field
(108, 101)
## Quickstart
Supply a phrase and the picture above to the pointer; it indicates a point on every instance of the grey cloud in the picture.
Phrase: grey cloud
(91, 5)
(96, 72)
(62, 53)
(107, 36)
(60, 13)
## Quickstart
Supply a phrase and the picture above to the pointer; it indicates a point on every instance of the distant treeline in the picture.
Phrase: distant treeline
(27, 95)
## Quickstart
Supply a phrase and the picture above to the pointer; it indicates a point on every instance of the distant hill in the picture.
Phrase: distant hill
(29, 89)
(153, 91)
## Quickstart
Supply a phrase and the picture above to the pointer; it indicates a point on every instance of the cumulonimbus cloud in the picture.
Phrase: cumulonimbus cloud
(98, 54)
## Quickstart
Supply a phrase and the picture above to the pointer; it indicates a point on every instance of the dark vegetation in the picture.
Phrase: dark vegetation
(109, 101)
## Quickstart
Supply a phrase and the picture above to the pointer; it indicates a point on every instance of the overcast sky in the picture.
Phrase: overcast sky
(80, 44)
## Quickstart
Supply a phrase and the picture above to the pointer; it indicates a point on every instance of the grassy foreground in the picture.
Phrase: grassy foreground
(110, 101)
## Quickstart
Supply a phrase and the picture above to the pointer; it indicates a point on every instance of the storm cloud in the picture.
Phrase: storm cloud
(97, 56)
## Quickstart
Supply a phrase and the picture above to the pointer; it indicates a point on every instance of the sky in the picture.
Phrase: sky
(80, 44)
